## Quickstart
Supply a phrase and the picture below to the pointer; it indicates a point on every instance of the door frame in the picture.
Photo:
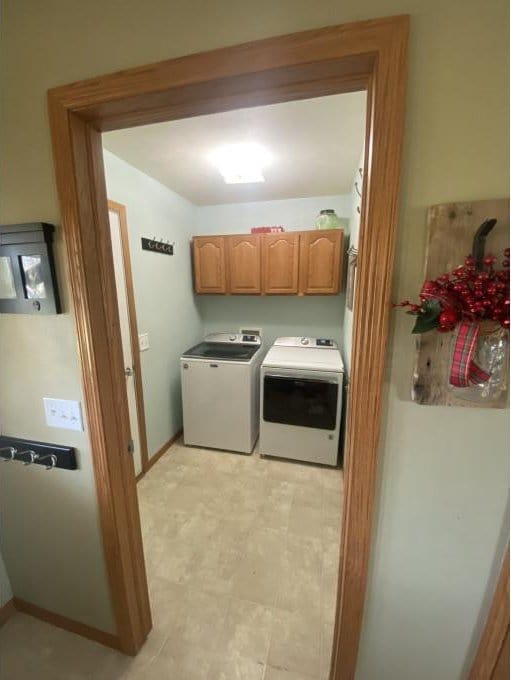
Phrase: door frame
(120, 210)
(367, 55)
(494, 642)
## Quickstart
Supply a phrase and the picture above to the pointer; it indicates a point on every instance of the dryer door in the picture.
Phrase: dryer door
(295, 400)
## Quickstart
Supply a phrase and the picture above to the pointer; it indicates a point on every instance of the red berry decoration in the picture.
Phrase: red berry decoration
(448, 319)
(466, 293)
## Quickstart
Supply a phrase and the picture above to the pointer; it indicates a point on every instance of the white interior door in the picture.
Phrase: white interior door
(124, 316)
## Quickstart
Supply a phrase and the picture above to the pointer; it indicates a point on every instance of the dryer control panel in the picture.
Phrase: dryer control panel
(318, 343)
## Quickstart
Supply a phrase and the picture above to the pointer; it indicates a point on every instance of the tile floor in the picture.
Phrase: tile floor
(241, 555)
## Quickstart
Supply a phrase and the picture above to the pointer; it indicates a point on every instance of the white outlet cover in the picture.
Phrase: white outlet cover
(143, 341)
(63, 413)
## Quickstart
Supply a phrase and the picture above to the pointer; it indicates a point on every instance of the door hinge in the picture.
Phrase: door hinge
(131, 447)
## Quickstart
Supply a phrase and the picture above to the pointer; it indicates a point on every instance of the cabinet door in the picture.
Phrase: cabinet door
(244, 264)
(209, 264)
(280, 263)
(320, 262)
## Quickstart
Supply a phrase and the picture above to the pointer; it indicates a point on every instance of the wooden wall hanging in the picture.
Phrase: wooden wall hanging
(451, 230)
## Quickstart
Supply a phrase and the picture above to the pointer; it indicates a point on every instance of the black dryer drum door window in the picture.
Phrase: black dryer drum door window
(307, 402)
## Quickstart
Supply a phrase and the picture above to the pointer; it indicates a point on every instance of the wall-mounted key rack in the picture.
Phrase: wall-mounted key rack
(29, 452)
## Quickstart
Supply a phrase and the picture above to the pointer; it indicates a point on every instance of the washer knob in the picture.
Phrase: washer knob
(232, 337)
(304, 341)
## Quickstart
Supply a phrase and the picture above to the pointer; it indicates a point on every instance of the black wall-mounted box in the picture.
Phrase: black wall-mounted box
(28, 283)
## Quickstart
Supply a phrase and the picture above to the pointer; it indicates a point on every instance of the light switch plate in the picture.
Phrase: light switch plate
(63, 413)
(143, 341)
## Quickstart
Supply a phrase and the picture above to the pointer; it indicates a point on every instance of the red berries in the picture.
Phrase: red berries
(467, 292)
(448, 318)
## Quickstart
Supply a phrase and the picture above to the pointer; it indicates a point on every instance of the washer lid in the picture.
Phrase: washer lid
(221, 350)
(307, 358)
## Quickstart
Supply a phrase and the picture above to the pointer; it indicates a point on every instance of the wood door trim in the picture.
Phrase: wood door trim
(106, 639)
(120, 209)
(369, 55)
(163, 449)
(496, 629)
(6, 611)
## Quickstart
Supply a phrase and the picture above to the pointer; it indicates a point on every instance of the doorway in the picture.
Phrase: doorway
(252, 533)
(368, 55)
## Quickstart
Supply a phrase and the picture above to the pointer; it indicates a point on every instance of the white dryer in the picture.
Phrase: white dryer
(220, 387)
(301, 400)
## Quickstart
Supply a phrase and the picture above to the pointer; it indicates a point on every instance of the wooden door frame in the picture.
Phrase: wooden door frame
(120, 211)
(368, 55)
(496, 631)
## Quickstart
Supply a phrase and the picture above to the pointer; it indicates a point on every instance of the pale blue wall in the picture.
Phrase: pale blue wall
(319, 316)
(275, 315)
(164, 299)
(291, 213)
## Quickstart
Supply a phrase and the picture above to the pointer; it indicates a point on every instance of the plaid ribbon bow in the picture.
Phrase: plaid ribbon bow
(464, 370)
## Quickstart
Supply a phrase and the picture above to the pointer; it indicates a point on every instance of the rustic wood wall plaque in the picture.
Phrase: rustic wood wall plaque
(451, 229)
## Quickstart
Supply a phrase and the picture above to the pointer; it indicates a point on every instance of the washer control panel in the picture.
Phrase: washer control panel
(234, 338)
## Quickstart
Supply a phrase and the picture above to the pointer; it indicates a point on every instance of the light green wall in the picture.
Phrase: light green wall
(443, 481)
(164, 299)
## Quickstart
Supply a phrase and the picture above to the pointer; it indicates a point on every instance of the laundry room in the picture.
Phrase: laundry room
(234, 239)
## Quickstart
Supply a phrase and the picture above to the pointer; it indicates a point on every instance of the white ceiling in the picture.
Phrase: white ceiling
(315, 145)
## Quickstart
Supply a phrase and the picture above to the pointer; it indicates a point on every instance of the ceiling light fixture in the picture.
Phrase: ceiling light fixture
(241, 163)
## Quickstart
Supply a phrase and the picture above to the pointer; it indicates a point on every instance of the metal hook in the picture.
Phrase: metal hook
(53, 459)
(12, 453)
(33, 456)
(357, 189)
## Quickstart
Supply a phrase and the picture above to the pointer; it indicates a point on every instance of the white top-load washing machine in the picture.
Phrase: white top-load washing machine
(220, 388)
(301, 400)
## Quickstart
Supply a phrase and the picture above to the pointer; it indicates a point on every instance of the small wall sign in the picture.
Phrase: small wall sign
(157, 246)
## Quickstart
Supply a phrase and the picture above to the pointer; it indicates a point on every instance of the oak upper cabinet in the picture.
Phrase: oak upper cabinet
(280, 260)
(320, 262)
(244, 264)
(209, 264)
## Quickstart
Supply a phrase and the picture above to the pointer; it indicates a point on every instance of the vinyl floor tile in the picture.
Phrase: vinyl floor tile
(242, 557)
